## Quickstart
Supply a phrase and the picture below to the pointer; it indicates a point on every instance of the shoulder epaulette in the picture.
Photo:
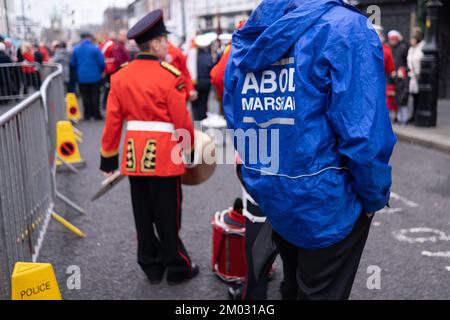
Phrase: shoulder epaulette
(171, 68)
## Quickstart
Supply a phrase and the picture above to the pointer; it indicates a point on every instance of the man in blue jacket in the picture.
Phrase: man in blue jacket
(89, 63)
(306, 79)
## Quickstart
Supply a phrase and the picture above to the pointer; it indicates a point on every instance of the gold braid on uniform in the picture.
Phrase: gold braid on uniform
(171, 68)
(130, 165)
(175, 72)
(148, 162)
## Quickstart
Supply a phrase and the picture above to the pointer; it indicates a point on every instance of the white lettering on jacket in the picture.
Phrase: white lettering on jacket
(278, 82)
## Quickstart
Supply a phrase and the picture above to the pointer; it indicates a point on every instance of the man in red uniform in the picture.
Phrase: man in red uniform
(120, 52)
(176, 58)
(149, 94)
(218, 72)
(107, 48)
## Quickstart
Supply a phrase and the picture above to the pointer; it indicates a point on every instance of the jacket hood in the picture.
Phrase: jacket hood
(273, 28)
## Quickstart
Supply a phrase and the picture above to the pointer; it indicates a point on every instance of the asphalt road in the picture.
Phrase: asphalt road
(413, 263)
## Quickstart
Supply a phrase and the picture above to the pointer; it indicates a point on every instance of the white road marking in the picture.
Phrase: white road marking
(404, 235)
(440, 254)
(409, 203)
(390, 210)
(395, 196)
(376, 224)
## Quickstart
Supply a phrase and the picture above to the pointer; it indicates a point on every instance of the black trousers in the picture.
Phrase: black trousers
(157, 213)
(254, 289)
(200, 106)
(322, 274)
(31, 79)
(106, 87)
(415, 103)
(90, 93)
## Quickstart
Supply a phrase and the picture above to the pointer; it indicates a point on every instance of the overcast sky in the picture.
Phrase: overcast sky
(87, 11)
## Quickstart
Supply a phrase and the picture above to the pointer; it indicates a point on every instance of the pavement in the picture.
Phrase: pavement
(408, 243)
(437, 137)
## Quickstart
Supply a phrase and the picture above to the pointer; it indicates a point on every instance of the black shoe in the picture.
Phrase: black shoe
(174, 281)
(156, 276)
(288, 292)
(235, 292)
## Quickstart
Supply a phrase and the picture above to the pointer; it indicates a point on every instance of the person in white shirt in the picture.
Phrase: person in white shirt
(414, 58)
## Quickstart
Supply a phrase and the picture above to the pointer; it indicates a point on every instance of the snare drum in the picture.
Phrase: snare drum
(228, 258)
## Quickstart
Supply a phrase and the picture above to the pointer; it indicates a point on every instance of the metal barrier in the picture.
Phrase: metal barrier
(19, 80)
(27, 173)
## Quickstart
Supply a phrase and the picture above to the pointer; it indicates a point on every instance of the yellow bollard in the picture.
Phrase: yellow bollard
(72, 108)
(68, 225)
(34, 281)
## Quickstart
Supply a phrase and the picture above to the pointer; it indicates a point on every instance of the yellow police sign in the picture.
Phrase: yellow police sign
(34, 281)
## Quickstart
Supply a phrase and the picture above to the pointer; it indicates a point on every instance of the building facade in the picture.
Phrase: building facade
(139, 8)
(114, 19)
(190, 17)
(27, 29)
(7, 18)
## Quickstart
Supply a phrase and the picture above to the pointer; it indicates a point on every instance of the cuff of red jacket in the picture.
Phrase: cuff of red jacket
(374, 206)
(109, 164)
(109, 161)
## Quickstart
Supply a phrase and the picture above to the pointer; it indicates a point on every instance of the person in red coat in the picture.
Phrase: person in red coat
(218, 72)
(107, 48)
(44, 52)
(30, 76)
(389, 70)
(178, 59)
(149, 94)
(120, 52)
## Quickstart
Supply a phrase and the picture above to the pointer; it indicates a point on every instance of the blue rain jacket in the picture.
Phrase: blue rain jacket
(309, 76)
(88, 61)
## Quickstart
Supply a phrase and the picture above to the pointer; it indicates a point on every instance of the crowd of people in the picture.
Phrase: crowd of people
(89, 64)
(16, 79)
(402, 68)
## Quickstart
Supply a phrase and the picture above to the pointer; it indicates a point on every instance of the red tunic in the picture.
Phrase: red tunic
(45, 55)
(107, 49)
(217, 73)
(28, 57)
(178, 59)
(389, 67)
(150, 95)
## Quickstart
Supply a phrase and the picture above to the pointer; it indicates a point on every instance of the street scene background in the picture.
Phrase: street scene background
(409, 242)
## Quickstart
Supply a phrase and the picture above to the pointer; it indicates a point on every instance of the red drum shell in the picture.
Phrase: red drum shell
(228, 258)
